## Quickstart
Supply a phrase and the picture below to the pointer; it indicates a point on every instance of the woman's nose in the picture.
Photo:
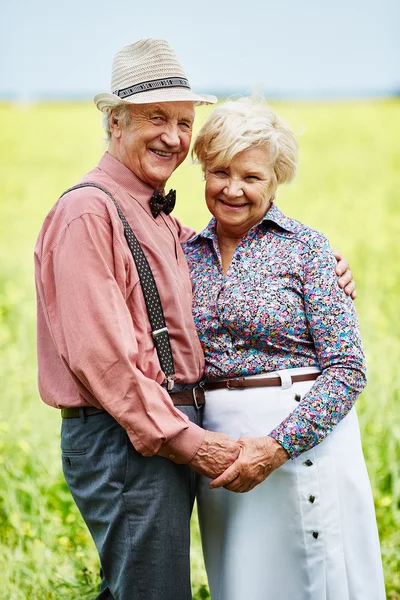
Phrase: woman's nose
(233, 189)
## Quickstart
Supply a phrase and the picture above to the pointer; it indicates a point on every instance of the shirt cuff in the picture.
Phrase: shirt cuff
(182, 448)
(287, 442)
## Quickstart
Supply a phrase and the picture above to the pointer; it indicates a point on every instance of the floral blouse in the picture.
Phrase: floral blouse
(279, 307)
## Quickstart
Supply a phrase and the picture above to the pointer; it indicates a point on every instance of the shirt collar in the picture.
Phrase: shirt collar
(274, 215)
(124, 177)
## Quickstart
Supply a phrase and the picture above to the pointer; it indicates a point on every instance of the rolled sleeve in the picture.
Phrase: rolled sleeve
(94, 334)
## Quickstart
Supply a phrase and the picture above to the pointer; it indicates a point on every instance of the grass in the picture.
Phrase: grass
(348, 186)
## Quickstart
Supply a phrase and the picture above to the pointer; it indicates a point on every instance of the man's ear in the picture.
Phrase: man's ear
(114, 125)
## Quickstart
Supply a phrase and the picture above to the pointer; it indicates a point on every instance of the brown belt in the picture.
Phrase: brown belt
(240, 383)
(84, 411)
(194, 397)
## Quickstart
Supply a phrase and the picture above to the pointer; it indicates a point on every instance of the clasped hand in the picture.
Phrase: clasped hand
(258, 458)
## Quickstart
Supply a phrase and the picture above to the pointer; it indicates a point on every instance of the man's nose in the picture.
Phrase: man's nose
(170, 136)
(233, 189)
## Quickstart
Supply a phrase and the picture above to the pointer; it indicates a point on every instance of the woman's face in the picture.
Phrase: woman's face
(239, 195)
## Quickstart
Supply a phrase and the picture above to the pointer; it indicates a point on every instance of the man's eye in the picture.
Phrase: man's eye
(157, 118)
(185, 125)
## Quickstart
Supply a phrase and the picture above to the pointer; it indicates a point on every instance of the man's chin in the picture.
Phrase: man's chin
(159, 177)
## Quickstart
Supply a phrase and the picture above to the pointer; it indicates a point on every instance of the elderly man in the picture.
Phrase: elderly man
(131, 430)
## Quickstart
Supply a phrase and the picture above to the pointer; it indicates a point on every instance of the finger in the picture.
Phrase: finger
(227, 476)
(346, 279)
(234, 486)
(240, 485)
(350, 287)
(246, 488)
(353, 295)
(342, 266)
(237, 488)
(336, 254)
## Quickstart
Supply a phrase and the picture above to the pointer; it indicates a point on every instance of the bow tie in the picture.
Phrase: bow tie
(159, 202)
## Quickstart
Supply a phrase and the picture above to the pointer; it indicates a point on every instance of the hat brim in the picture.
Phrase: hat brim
(107, 100)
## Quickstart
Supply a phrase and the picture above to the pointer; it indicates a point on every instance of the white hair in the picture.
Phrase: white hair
(239, 125)
(120, 112)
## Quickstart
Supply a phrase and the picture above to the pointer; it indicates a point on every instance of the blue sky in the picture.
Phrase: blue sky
(306, 48)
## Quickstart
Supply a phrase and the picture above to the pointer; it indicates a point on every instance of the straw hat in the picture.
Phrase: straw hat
(148, 71)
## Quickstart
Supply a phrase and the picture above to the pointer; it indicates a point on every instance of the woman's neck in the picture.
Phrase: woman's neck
(227, 243)
(229, 238)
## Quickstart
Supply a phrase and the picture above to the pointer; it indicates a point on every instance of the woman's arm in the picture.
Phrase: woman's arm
(334, 328)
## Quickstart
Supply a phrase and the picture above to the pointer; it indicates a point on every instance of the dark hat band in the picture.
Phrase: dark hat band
(155, 84)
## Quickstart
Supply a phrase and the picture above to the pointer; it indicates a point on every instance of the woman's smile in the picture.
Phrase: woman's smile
(231, 206)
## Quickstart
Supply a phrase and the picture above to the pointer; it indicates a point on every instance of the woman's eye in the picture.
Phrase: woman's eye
(252, 178)
(220, 173)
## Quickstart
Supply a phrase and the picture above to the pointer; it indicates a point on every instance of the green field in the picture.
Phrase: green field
(348, 186)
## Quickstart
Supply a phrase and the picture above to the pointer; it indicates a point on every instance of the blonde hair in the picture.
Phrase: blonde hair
(239, 125)
(120, 112)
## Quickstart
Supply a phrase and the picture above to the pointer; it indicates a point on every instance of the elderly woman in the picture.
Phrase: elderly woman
(284, 367)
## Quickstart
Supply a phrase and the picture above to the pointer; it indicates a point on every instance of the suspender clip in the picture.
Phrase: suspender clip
(158, 332)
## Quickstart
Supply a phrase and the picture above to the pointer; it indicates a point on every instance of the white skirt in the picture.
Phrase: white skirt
(308, 532)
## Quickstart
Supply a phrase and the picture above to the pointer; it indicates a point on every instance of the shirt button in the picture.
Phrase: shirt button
(172, 456)
(311, 499)
(307, 463)
(315, 534)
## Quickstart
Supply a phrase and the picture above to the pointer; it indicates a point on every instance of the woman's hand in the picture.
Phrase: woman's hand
(258, 458)
(346, 281)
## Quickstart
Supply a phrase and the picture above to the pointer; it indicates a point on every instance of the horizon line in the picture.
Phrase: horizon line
(355, 94)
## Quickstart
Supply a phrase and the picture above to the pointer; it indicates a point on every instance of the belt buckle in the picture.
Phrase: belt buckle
(194, 394)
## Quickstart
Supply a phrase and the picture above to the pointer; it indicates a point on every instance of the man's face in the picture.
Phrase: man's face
(156, 141)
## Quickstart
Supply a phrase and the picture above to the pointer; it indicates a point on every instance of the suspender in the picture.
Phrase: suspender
(149, 289)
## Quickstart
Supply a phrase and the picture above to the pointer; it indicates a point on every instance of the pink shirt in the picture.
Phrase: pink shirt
(94, 338)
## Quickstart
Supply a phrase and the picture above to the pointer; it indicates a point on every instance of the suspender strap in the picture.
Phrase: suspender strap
(150, 292)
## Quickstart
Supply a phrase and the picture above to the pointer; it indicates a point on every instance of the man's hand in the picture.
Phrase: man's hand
(258, 458)
(217, 452)
(345, 281)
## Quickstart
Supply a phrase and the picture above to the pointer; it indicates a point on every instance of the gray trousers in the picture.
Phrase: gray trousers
(137, 509)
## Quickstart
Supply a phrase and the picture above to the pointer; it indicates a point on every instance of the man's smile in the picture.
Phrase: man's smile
(162, 153)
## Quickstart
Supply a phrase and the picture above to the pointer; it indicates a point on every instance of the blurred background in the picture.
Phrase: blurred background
(332, 69)
(288, 49)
